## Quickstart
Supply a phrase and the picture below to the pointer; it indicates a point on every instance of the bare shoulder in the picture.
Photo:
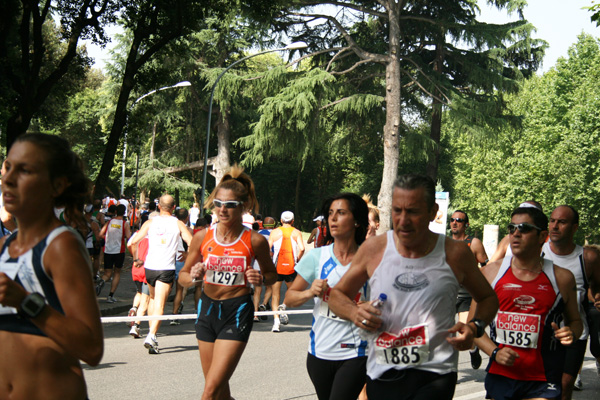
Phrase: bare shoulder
(456, 250)
(563, 275)
(476, 242)
(257, 239)
(275, 233)
(591, 255)
(370, 252)
(199, 236)
(491, 270)
(65, 250)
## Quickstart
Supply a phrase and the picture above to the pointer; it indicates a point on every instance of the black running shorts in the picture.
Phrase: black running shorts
(230, 319)
(163, 275)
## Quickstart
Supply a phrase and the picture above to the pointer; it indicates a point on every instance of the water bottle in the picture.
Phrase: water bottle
(377, 303)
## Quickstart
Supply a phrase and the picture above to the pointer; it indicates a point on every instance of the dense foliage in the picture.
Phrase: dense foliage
(310, 128)
(553, 158)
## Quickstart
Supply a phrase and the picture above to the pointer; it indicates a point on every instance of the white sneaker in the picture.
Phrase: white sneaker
(151, 344)
(578, 383)
(135, 331)
(111, 299)
(132, 313)
(276, 326)
(283, 317)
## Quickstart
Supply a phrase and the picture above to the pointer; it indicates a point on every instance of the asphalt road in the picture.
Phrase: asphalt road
(272, 367)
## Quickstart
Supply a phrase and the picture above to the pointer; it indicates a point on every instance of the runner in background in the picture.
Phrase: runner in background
(288, 248)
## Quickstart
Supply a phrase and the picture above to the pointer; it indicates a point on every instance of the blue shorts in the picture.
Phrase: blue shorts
(230, 319)
(499, 387)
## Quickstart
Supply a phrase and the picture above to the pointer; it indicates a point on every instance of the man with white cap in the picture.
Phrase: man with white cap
(288, 248)
(318, 234)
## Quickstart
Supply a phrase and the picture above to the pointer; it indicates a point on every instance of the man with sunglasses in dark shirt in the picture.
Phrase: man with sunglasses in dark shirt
(458, 226)
(526, 342)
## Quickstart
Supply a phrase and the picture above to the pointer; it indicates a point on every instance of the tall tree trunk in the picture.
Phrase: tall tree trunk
(436, 113)
(392, 123)
(154, 128)
(297, 196)
(223, 161)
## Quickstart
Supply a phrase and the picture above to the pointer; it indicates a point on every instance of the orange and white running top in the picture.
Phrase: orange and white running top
(285, 251)
(226, 263)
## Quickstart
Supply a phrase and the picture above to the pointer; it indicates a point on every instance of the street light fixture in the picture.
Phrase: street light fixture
(180, 84)
(292, 46)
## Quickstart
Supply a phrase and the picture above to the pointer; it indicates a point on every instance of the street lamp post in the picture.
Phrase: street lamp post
(180, 84)
(292, 46)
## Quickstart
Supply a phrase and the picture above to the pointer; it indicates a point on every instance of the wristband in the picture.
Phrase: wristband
(493, 355)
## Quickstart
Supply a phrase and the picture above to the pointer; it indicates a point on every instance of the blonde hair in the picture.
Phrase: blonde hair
(240, 184)
(373, 210)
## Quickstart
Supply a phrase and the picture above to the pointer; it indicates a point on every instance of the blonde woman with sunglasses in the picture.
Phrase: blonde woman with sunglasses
(222, 258)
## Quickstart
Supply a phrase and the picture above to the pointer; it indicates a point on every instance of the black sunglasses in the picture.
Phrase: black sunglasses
(226, 204)
(457, 220)
(523, 227)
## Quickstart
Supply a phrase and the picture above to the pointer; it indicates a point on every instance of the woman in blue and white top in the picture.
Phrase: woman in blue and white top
(336, 360)
(49, 317)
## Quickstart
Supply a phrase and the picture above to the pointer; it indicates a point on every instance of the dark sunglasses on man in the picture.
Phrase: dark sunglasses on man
(457, 220)
(523, 227)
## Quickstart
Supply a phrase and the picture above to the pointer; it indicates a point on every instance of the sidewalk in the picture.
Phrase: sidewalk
(124, 295)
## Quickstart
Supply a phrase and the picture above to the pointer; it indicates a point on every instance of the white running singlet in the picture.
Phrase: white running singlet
(574, 263)
(331, 338)
(420, 308)
(163, 239)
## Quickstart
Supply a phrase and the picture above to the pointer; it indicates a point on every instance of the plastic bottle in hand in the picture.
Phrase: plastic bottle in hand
(377, 303)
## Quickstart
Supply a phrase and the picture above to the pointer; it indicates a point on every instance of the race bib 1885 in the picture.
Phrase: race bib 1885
(410, 347)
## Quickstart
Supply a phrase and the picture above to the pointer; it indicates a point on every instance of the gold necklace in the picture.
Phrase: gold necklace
(527, 269)
(226, 233)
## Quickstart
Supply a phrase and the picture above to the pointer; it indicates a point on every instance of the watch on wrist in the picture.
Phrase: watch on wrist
(494, 353)
(32, 305)
(480, 325)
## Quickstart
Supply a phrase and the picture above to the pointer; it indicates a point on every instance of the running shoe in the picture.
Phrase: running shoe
(132, 313)
(99, 287)
(598, 368)
(284, 318)
(256, 319)
(135, 331)
(475, 358)
(276, 326)
(151, 344)
(111, 299)
(578, 384)
(262, 308)
(175, 322)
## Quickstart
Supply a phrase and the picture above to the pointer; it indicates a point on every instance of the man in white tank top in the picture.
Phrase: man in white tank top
(163, 233)
(585, 266)
(413, 350)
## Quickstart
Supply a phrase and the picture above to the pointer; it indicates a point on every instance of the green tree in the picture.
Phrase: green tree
(34, 62)
(552, 158)
(402, 45)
